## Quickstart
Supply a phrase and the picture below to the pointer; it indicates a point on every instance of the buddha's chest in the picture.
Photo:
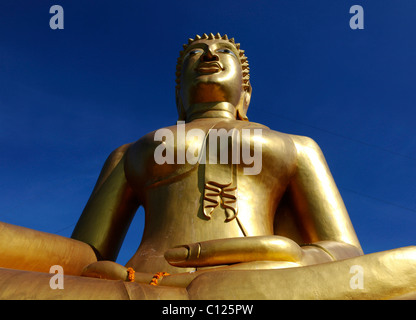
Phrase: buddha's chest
(228, 159)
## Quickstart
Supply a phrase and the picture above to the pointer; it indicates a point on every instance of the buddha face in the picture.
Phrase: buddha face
(211, 72)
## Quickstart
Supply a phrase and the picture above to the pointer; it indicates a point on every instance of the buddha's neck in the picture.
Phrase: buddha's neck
(223, 110)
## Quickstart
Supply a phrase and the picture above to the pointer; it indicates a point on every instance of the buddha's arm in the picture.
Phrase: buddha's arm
(27, 249)
(318, 206)
(102, 226)
(110, 209)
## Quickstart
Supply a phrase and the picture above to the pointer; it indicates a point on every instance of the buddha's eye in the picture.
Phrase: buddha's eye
(194, 52)
(228, 51)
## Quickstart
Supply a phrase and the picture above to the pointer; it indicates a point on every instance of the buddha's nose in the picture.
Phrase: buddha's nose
(209, 56)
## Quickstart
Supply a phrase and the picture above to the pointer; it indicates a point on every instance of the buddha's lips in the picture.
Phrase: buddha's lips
(209, 67)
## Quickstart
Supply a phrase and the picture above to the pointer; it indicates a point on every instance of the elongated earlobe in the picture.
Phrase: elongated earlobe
(244, 103)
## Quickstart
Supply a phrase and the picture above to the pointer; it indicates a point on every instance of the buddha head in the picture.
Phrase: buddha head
(212, 74)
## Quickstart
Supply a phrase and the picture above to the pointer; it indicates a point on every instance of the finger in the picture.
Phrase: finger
(234, 250)
(105, 270)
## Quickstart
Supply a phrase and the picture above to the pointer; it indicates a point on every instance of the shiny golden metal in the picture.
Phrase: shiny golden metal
(221, 233)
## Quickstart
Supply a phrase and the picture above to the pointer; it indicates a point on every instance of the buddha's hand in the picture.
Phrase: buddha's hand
(236, 250)
(106, 270)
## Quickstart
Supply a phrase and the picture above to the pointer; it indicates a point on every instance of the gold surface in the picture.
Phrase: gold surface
(221, 233)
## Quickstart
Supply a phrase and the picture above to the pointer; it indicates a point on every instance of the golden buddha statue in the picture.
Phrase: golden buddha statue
(233, 210)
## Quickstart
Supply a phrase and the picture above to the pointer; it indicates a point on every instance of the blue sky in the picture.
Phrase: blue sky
(69, 97)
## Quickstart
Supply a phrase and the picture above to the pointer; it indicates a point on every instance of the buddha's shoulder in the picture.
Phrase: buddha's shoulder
(299, 144)
(272, 137)
(304, 143)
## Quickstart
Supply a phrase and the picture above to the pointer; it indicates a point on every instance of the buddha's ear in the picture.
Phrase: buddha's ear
(179, 107)
(244, 103)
